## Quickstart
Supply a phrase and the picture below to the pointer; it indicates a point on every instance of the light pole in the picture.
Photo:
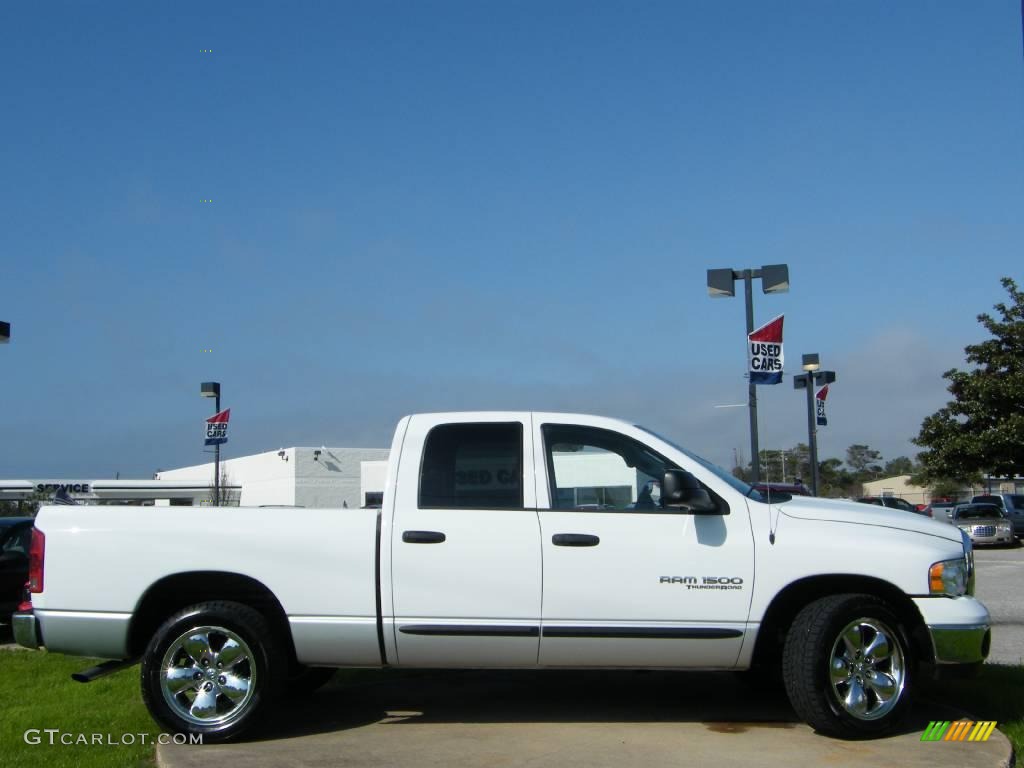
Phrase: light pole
(721, 284)
(212, 389)
(5, 338)
(811, 376)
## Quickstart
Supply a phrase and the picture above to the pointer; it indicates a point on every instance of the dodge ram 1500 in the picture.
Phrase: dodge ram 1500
(511, 540)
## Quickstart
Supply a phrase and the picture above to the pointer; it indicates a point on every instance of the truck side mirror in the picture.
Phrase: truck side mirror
(680, 489)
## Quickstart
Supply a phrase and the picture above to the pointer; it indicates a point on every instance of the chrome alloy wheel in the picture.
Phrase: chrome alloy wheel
(867, 669)
(208, 676)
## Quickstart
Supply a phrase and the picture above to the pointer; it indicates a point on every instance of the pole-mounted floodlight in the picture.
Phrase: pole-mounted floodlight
(813, 375)
(5, 333)
(721, 284)
(775, 278)
(212, 389)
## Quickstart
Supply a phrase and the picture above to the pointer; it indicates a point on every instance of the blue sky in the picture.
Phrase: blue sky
(452, 205)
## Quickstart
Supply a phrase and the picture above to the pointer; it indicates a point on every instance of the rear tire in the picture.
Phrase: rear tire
(848, 666)
(213, 669)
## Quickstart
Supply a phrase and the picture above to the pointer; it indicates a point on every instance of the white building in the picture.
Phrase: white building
(302, 477)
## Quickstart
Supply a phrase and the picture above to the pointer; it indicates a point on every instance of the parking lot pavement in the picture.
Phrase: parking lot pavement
(485, 718)
(1000, 586)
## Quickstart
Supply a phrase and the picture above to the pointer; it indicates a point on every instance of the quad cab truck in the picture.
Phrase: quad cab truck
(511, 540)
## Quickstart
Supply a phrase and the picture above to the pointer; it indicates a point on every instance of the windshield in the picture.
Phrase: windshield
(720, 473)
(900, 504)
(988, 500)
(981, 511)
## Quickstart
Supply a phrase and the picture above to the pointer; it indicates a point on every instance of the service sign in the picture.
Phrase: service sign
(764, 350)
(819, 399)
(217, 428)
(68, 486)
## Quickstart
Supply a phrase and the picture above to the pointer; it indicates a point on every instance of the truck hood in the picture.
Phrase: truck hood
(834, 510)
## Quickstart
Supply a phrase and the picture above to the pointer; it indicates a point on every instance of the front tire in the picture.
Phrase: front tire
(848, 666)
(212, 669)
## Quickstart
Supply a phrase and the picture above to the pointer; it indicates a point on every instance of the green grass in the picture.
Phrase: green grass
(996, 694)
(36, 691)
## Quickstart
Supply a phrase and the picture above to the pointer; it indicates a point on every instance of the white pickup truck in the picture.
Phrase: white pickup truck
(512, 540)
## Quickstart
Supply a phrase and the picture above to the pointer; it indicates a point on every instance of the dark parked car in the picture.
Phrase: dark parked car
(15, 537)
(893, 502)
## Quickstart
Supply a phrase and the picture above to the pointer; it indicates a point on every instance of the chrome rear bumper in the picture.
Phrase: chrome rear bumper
(26, 629)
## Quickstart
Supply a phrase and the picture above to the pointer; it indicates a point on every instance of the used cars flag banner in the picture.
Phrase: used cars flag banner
(764, 347)
(217, 428)
(819, 399)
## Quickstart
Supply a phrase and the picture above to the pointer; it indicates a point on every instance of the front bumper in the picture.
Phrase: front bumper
(1006, 537)
(961, 645)
(960, 629)
(26, 629)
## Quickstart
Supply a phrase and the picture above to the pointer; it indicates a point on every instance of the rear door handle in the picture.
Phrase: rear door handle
(423, 537)
(575, 540)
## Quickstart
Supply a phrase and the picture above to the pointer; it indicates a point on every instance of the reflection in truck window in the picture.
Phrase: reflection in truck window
(467, 466)
(597, 469)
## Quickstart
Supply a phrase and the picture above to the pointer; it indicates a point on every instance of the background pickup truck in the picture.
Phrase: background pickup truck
(511, 540)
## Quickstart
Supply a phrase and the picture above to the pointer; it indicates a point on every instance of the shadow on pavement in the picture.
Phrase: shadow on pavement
(723, 702)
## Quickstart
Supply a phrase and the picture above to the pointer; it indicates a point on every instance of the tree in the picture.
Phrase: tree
(834, 481)
(981, 430)
(901, 465)
(771, 466)
(10, 509)
(228, 497)
(796, 462)
(29, 505)
(950, 489)
(864, 461)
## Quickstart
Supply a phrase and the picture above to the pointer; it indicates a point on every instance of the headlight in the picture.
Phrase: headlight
(949, 577)
(969, 557)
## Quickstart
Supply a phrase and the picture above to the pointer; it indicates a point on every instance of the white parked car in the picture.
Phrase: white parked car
(984, 523)
(1012, 505)
(512, 539)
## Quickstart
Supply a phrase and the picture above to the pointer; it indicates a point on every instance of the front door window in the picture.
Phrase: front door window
(596, 469)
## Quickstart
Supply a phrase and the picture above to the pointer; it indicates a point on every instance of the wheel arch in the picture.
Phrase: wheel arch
(172, 593)
(794, 596)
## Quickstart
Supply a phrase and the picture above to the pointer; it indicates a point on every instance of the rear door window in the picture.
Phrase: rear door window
(472, 466)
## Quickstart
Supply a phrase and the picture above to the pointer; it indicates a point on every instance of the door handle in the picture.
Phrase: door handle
(423, 537)
(575, 540)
